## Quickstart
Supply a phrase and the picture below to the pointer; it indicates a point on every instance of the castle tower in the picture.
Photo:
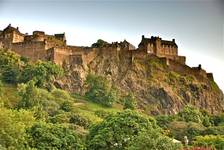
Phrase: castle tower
(157, 46)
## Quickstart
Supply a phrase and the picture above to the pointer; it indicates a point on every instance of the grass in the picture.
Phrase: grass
(87, 108)
(87, 105)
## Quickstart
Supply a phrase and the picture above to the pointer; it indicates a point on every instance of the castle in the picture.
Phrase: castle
(54, 47)
(40, 46)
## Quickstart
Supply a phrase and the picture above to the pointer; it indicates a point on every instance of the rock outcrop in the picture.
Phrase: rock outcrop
(159, 86)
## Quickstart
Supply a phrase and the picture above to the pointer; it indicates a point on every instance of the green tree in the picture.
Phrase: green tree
(13, 125)
(43, 73)
(100, 90)
(10, 66)
(29, 95)
(130, 102)
(52, 136)
(9, 58)
(118, 131)
(11, 74)
(192, 114)
(154, 140)
(100, 43)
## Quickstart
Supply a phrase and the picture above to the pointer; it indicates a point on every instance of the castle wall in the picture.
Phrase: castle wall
(200, 74)
(60, 55)
(33, 50)
(17, 37)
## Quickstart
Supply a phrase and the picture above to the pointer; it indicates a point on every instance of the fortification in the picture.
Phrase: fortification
(54, 48)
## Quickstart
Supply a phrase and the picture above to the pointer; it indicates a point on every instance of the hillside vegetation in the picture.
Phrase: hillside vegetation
(34, 114)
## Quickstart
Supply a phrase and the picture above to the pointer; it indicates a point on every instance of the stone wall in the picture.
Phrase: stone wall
(199, 73)
(34, 50)
(17, 37)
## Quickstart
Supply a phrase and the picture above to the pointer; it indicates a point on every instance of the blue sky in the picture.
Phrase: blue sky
(197, 25)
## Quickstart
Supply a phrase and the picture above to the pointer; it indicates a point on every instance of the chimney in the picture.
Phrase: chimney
(143, 36)
(17, 28)
(173, 40)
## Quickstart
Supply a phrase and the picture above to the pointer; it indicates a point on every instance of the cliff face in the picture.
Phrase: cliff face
(158, 87)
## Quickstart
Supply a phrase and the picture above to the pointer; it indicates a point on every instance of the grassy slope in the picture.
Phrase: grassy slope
(84, 107)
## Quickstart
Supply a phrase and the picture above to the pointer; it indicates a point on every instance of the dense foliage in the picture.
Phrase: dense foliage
(15, 69)
(126, 130)
(100, 90)
(36, 115)
(100, 43)
(49, 136)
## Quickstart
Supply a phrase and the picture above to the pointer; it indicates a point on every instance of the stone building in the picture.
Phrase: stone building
(161, 48)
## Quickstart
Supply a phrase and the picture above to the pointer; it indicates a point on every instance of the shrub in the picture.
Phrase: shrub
(13, 126)
(129, 102)
(164, 120)
(210, 141)
(52, 136)
(192, 114)
(43, 73)
(100, 43)
(100, 90)
(179, 129)
(153, 140)
(218, 119)
(118, 131)
(29, 95)
(103, 113)
(215, 130)
(11, 74)
(79, 120)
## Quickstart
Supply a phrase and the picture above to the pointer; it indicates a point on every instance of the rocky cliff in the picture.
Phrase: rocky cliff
(159, 87)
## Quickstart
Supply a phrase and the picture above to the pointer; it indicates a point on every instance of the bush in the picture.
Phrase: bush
(153, 140)
(11, 74)
(179, 129)
(10, 66)
(100, 90)
(129, 102)
(62, 117)
(49, 136)
(103, 114)
(43, 73)
(100, 43)
(210, 141)
(218, 119)
(191, 114)
(217, 130)
(79, 120)
(164, 120)
(66, 106)
(13, 126)
(29, 95)
(118, 131)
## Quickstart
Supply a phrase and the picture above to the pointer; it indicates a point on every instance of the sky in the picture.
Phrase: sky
(197, 25)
